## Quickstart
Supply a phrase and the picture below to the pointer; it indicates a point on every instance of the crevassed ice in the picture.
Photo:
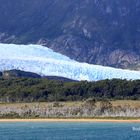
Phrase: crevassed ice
(46, 62)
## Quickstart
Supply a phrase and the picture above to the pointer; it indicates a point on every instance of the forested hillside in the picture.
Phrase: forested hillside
(34, 89)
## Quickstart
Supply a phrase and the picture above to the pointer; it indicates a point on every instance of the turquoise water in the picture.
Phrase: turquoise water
(69, 131)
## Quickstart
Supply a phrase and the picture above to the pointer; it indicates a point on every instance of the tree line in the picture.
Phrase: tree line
(42, 90)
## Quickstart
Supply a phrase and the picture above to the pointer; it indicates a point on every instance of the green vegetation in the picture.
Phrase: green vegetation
(42, 90)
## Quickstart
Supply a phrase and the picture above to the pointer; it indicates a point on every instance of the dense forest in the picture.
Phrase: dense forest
(42, 89)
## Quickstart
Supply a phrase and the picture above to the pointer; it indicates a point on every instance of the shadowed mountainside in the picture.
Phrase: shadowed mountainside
(102, 32)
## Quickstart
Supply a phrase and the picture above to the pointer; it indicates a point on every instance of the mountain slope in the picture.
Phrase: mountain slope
(105, 32)
(18, 74)
(10, 74)
(45, 62)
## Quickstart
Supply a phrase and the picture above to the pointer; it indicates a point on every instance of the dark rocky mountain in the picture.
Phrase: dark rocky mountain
(105, 32)
(0, 74)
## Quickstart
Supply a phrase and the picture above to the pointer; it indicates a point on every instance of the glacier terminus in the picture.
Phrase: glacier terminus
(44, 61)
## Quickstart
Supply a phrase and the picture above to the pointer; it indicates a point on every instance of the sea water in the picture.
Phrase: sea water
(69, 131)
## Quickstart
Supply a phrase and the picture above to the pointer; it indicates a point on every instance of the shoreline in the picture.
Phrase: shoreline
(73, 120)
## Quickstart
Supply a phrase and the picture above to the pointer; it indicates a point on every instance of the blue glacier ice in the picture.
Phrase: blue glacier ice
(46, 62)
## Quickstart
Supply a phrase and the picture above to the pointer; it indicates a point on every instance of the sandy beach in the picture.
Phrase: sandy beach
(71, 120)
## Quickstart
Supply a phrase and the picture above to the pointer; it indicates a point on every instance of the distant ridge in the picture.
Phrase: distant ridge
(22, 74)
(19, 74)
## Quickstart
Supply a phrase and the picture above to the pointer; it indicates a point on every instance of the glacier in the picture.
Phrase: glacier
(45, 62)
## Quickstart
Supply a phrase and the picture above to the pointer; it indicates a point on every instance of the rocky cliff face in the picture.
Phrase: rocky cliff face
(101, 32)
